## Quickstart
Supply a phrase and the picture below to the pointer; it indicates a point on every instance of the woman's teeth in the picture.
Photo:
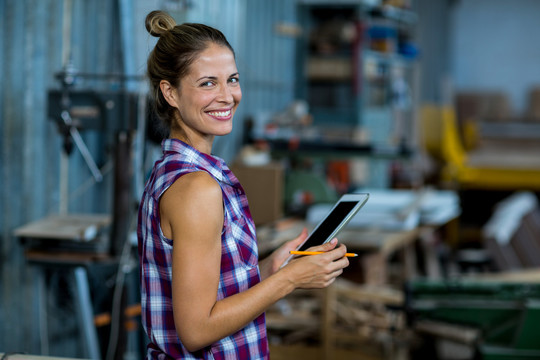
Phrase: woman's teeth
(220, 113)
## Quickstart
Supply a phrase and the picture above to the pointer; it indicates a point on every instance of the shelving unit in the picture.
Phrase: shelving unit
(356, 70)
(328, 73)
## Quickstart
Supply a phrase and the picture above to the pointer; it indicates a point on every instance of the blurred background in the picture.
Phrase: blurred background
(431, 106)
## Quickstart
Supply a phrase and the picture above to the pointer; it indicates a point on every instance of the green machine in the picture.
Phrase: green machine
(499, 320)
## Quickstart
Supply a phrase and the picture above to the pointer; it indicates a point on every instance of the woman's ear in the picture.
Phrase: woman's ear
(169, 93)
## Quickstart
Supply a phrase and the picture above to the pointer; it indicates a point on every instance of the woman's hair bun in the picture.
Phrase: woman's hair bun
(159, 22)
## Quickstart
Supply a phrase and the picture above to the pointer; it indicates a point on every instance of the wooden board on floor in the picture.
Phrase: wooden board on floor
(288, 352)
(16, 356)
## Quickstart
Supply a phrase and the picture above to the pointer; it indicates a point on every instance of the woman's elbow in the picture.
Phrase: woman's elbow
(192, 340)
(192, 347)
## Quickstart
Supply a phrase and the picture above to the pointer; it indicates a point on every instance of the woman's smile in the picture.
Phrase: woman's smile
(221, 114)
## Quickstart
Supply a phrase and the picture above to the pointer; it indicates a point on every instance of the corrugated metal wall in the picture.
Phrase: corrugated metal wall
(31, 52)
(433, 34)
(265, 58)
(270, 60)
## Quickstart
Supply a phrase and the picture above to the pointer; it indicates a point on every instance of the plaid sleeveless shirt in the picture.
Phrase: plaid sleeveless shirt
(239, 258)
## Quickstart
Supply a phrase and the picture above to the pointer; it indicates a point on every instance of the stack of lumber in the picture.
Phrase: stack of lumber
(346, 316)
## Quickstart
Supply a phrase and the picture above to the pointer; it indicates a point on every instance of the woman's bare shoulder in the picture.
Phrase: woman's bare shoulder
(195, 182)
(193, 189)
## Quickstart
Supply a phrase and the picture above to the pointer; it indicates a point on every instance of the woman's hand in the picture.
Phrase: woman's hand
(273, 262)
(312, 271)
(318, 271)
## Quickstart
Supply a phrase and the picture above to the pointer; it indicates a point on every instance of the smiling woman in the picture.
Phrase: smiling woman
(203, 289)
(206, 98)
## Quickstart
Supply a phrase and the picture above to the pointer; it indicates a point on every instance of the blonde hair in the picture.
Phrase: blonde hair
(178, 46)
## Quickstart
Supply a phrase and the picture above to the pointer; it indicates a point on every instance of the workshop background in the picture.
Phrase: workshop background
(431, 106)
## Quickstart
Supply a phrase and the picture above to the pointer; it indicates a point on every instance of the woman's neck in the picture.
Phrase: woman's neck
(202, 144)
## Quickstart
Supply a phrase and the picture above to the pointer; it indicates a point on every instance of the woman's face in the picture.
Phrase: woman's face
(208, 96)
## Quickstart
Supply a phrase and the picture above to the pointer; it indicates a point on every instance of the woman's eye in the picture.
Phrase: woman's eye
(207, 84)
(234, 80)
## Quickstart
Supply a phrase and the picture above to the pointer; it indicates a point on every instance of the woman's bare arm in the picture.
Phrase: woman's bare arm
(192, 215)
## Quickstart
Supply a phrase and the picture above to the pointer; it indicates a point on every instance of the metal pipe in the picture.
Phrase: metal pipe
(66, 32)
(82, 146)
(66, 55)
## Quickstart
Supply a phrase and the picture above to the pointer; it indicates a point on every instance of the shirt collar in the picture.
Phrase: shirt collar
(215, 165)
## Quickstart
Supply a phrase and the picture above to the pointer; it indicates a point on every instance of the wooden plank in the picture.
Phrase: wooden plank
(77, 227)
(522, 276)
(387, 242)
(34, 357)
(367, 293)
(328, 320)
(374, 267)
(376, 240)
(458, 333)
(67, 258)
(282, 352)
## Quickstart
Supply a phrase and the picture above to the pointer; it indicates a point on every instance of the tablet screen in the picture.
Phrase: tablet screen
(330, 223)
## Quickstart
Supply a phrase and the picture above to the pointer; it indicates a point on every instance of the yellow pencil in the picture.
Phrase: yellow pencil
(317, 253)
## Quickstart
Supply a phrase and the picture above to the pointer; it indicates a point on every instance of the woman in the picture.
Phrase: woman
(204, 292)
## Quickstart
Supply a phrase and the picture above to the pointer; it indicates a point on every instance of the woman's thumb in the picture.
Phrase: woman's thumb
(331, 244)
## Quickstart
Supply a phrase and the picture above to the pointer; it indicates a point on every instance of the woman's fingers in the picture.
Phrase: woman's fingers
(333, 254)
(319, 271)
(326, 246)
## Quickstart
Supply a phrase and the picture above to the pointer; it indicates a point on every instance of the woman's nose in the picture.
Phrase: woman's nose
(225, 94)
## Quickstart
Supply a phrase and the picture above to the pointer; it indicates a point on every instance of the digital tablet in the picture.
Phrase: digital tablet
(336, 219)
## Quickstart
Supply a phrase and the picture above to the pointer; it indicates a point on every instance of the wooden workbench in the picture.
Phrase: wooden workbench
(17, 356)
(375, 247)
(72, 227)
(68, 244)
(359, 312)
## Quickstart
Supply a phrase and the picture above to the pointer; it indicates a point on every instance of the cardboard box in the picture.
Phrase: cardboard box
(264, 189)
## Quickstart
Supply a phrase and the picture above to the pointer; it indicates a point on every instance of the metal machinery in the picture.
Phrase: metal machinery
(498, 319)
(502, 168)
(77, 245)
(115, 115)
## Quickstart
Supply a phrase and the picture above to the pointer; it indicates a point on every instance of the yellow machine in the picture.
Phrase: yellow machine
(494, 167)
